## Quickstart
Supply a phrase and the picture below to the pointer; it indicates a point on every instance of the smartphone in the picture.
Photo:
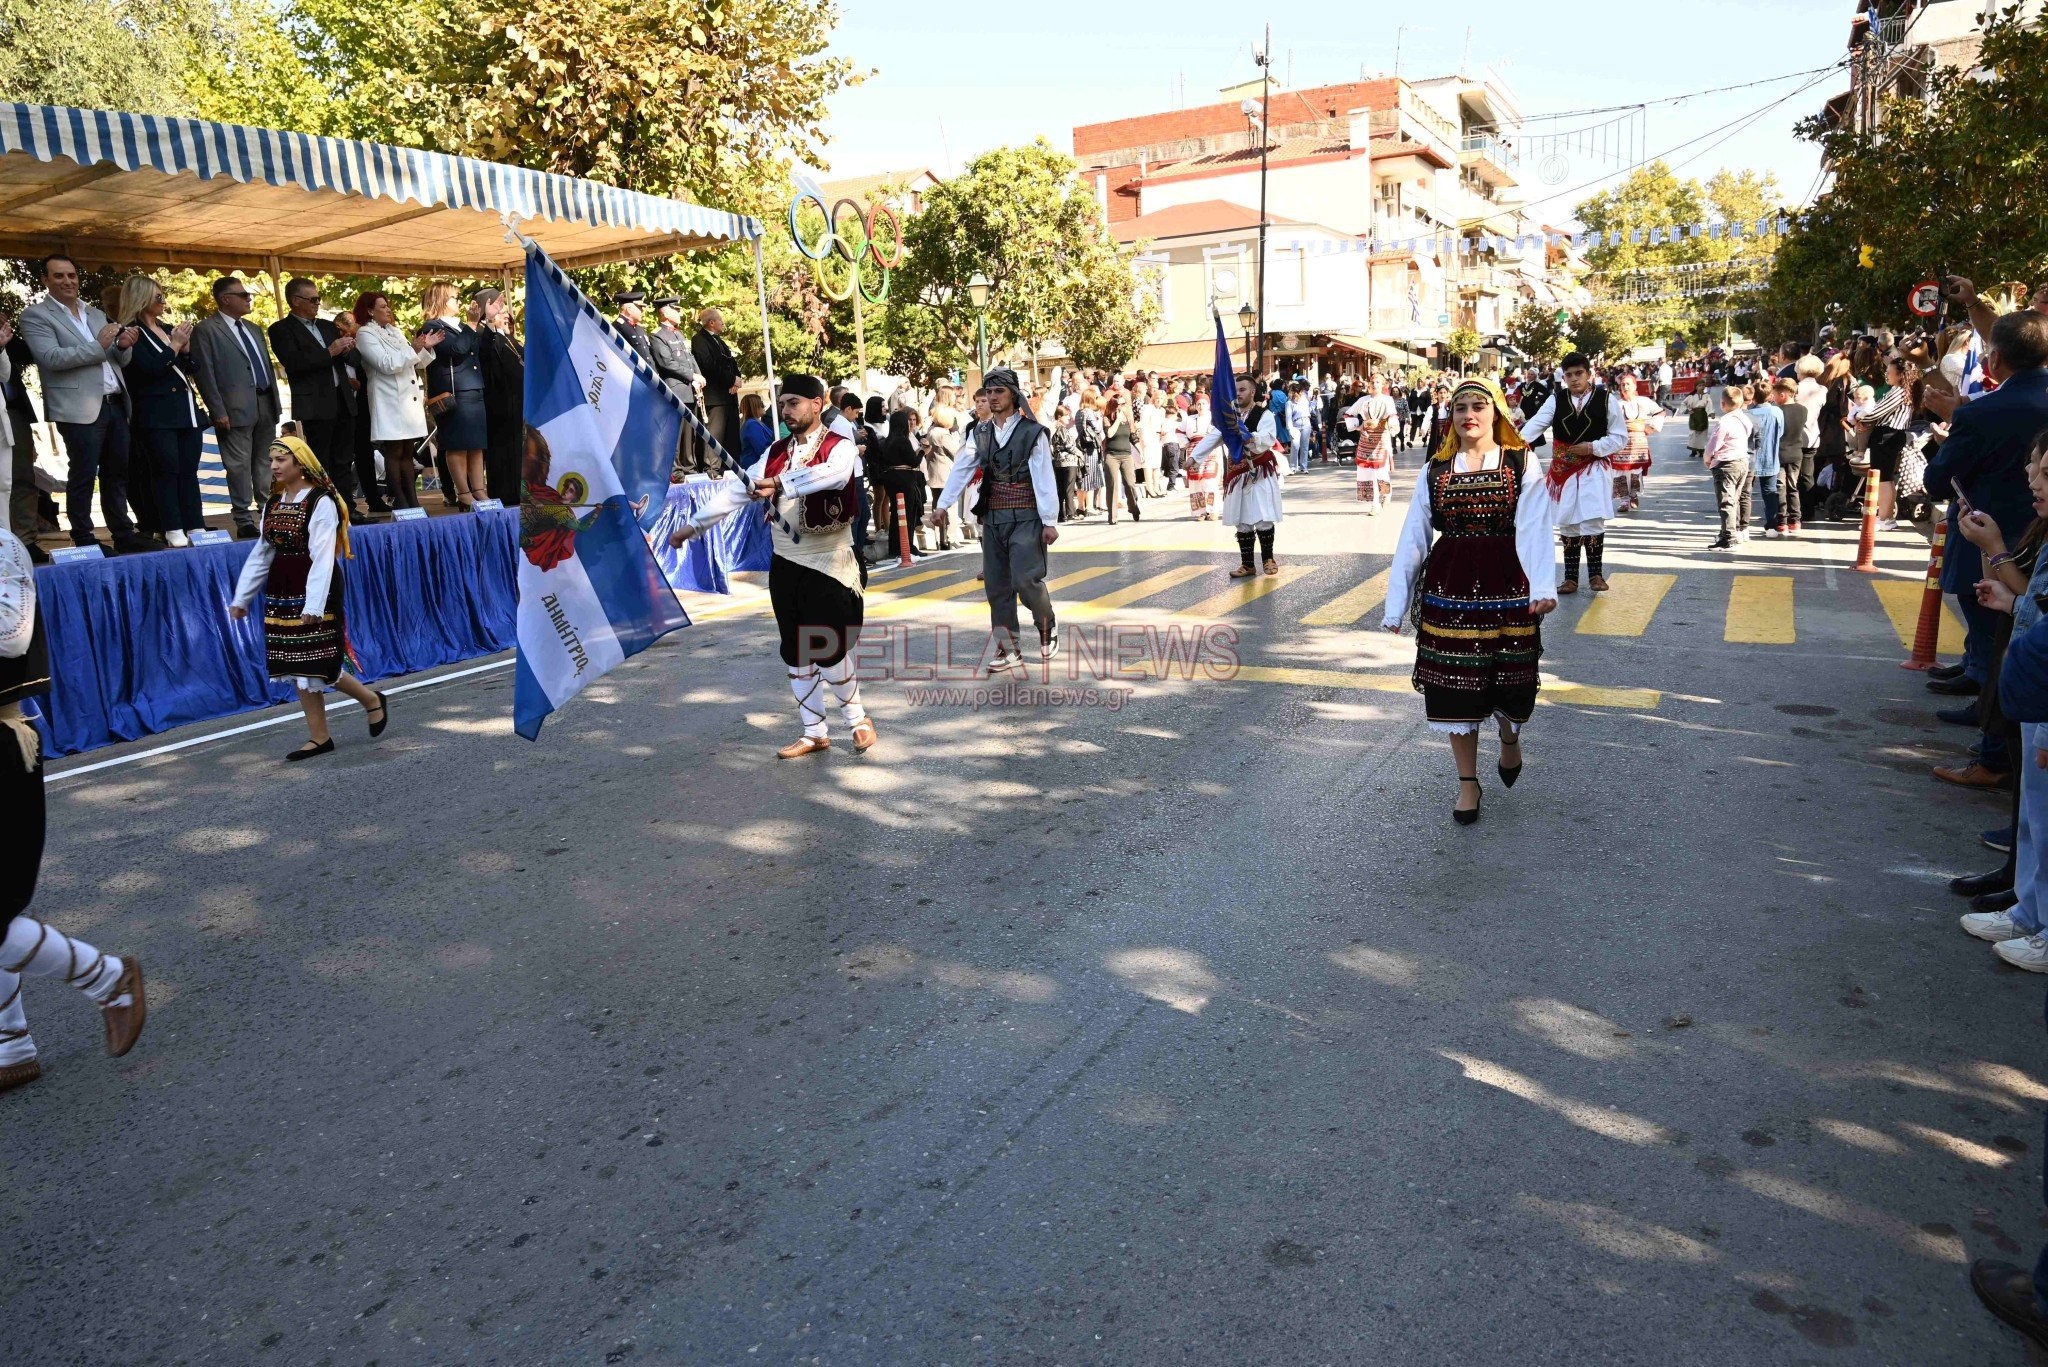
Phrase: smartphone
(1963, 506)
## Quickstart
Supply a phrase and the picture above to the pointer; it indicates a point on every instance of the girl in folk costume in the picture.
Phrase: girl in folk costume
(1642, 416)
(806, 485)
(1252, 471)
(296, 567)
(1482, 586)
(1205, 473)
(1374, 416)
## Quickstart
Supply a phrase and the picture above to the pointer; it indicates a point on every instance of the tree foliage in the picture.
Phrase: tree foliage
(1535, 331)
(1639, 298)
(1017, 216)
(1957, 183)
(1462, 345)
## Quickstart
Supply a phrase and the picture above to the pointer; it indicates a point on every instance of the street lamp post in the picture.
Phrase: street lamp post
(979, 287)
(1246, 316)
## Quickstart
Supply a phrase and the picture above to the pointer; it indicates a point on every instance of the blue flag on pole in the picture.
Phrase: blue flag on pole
(601, 442)
(1223, 398)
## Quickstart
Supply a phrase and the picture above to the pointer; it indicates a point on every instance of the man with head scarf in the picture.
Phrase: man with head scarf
(808, 487)
(1019, 511)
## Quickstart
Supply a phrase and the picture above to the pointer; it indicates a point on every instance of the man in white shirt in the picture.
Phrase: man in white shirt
(1665, 375)
(1587, 424)
(79, 355)
(1019, 511)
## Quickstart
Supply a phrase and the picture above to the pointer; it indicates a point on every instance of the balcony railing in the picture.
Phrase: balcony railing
(1492, 148)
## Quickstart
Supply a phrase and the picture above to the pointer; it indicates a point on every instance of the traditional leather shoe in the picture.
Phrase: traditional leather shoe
(1954, 671)
(804, 745)
(1961, 686)
(1599, 583)
(124, 1023)
(1568, 586)
(1272, 567)
(19, 1074)
(1976, 884)
(1971, 775)
(2004, 899)
(2008, 1292)
(864, 736)
(1243, 572)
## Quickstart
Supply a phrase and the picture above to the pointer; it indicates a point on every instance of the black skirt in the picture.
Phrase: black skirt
(464, 427)
(818, 617)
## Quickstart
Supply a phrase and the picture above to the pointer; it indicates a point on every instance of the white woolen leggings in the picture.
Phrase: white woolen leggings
(32, 949)
(837, 678)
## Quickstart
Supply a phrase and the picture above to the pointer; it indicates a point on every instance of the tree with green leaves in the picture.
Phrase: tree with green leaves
(1462, 345)
(1535, 331)
(1672, 287)
(1604, 330)
(1952, 184)
(1019, 217)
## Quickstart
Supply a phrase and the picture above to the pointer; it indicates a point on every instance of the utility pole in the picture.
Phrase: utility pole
(1265, 145)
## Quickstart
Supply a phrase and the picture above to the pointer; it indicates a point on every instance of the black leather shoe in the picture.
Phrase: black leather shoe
(1962, 686)
(2008, 1292)
(2003, 900)
(1966, 715)
(1945, 672)
(1975, 884)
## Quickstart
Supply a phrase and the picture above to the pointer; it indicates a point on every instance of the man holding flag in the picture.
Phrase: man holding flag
(807, 485)
(1252, 473)
(600, 444)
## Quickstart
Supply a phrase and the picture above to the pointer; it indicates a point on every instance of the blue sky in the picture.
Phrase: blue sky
(951, 80)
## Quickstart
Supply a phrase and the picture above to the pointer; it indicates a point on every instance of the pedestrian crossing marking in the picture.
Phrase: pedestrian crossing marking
(1901, 599)
(1349, 606)
(1244, 591)
(895, 585)
(1760, 610)
(1078, 577)
(895, 603)
(1626, 606)
(951, 591)
(1144, 588)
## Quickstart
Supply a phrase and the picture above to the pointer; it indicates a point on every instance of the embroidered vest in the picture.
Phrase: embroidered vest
(827, 509)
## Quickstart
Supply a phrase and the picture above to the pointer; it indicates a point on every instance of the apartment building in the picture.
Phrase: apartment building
(1895, 45)
(1386, 160)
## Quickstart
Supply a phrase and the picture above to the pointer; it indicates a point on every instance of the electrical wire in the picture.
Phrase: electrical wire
(1676, 99)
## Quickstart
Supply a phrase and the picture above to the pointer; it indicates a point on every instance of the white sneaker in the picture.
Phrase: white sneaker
(1888, 525)
(1006, 659)
(1772, 533)
(1742, 537)
(175, 537)
(2030, 953)
(1995, 926)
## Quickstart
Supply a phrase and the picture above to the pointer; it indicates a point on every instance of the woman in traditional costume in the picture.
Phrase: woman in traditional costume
(1642, 417)
(296, 567)
(1483, 585)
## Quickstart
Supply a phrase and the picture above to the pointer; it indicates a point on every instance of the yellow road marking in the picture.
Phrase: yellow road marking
(896, 585)
(1560, 693)
(1144, 588)
(1626, 607)
(1901, 599)
(1350, 605)
(1078, 577)
(1760, 610)
(1244, 591)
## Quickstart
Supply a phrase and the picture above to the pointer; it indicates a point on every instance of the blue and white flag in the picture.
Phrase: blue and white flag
(1223, 398)
(600, 444)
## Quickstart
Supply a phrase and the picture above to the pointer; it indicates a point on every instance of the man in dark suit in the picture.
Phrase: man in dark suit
(309, 350)
(721, 387)
(628, 304)
(1984, 461)
(677, 366)
(20, 419)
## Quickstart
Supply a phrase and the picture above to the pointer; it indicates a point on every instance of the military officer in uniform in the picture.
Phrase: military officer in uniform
(677, 367)
(628, 302)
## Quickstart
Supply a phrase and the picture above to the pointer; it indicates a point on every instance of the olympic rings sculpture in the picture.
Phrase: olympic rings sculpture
(854, 246)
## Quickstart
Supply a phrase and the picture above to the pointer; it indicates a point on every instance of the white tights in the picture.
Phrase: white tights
(32, 949)
(837, 678)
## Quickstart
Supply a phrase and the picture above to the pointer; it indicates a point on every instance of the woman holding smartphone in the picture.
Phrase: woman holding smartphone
(455, 394)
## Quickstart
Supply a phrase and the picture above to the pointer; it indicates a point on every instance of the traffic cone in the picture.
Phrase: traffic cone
(902, 532)
(1927, 631)
(1866, 545)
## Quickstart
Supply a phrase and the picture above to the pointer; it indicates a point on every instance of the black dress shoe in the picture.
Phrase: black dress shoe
(2008, 1292)
(1974, 884)
(1954, 671)
(37, 555)
(2003, 900)
(1962, 686)
(1966, 715)
(246, 532)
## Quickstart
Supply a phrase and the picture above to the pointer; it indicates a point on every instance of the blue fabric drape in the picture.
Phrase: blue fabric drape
(741, 542)
(143, 643)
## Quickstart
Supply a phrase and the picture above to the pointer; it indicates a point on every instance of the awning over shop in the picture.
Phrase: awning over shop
(1188, 358)
(142, 190)
(1365, 346)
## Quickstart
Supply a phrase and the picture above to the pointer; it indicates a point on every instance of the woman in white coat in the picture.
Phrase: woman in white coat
(398, 406)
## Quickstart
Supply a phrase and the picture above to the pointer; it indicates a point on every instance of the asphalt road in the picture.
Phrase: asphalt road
(1187, 1028)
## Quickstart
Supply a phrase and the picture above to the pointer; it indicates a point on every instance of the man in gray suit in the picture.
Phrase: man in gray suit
(79, 356)
(239, 384)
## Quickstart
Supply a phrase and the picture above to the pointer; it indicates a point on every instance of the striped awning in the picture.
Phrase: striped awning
(143, 190)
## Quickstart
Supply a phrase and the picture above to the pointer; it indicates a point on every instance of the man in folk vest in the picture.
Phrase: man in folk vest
(807, 486)
(1586, 420)
(1018, 507)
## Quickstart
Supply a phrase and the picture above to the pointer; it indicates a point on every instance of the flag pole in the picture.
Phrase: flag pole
(767, 347)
